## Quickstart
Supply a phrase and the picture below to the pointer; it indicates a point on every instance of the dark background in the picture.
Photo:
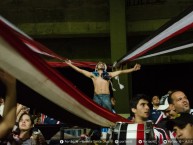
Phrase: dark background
(159, 79)
(151, 79)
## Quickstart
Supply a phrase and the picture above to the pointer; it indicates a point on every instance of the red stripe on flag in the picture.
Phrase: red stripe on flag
(159, 43)
(140, 134)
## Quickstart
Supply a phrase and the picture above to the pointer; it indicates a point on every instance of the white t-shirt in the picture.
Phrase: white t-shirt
(1, 109)
(191, 111)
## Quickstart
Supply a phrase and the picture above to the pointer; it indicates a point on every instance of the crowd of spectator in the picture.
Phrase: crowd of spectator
(171, 117)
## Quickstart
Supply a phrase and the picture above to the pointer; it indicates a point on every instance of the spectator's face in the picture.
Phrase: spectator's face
(25, 123)
(184, 135)
(155, 100)
(100, 66)
(170, 112)
(1, 101)
(180, 102)
(142, 109)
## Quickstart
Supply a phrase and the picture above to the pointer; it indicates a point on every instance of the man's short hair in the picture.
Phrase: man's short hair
(135, 100)
(170, 100)
(180, 121)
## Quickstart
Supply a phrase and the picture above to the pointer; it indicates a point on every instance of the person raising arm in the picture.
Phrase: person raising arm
(101, 81)
(9, 115)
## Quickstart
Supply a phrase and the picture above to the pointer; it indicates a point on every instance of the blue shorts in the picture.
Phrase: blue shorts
(103, 100)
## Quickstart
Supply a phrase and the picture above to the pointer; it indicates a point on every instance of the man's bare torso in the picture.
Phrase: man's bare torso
(101, 86)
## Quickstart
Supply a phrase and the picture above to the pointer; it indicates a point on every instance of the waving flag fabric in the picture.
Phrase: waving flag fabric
(41, 49)
(169, 50)
(171, 29)
(19, 59)
(21, 56)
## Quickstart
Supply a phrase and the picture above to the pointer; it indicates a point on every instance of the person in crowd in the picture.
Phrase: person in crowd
(24, 134)
(139, 110)
(101, 80)
(169, 113)
(179, 102)
(50, 120)
(7, 121)
(163, 105)
(20, 110)
(2, 100)
(183, 128)
(168, 109)
(113, 102)
(38, 117)
(154, 113)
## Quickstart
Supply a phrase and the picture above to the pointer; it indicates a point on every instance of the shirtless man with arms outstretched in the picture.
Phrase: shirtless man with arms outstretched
(101, 81)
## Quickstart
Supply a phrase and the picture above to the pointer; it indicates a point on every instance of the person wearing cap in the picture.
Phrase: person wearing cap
(162, 106)
(168, 114)
(167, 109)
(180, 102)
(101, 81)
(183, 127)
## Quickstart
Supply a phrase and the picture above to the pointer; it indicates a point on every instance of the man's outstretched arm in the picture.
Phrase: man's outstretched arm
(9, 114)
(125, 71)
(82, 71)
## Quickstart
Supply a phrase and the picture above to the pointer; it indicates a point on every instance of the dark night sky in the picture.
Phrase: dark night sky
(158, 79)
(151, 79)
